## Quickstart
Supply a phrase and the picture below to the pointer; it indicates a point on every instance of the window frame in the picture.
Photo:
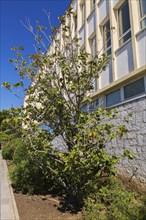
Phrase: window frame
(82, 7)
(134, 82)
(105, 48)
(142, 17)
(123, 99)
(92, 4)
(75, 24)
(119, 21)
(93, 46)
(117, 90)
(93, 50)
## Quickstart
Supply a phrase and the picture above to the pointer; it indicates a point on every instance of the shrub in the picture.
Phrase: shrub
(20, 152)
(26, 174)
(27, 177)
(114, 202)
(9, 148)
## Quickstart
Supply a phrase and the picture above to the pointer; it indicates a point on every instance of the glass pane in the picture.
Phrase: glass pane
(143, 7)
(84, 108)
(124, 18)
(75, 23)
(113, 98)
(143, 23)
(106, 35)
(91, 107)
(108, 51)
(134, 88)
(96, 103)
(125, 38)
(93, 46)
(83, 12)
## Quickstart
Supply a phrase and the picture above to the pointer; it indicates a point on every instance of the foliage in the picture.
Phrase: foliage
(61, 83)
(27, 177)
(10, 124)
(9, 148)
(25, 173)
(4, 137)
(114, 202)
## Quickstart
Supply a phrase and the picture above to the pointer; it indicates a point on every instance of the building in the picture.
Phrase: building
(118, 28)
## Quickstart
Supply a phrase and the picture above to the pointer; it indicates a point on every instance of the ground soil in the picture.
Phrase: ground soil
(40, 207)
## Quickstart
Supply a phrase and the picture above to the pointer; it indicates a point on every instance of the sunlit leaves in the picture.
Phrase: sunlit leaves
(6, 85)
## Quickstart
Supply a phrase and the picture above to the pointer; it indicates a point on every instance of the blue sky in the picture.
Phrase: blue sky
(13, 33)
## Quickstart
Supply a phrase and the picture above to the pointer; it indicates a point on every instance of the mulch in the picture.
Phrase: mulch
(42, 207)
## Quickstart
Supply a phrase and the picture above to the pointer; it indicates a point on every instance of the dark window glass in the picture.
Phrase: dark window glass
(127, 36)
(113, 98)
(84, 108)
(93, 46)
(143, 7)
(143, 12)
(93, 105)
(107, 37)
(124, 23)
(75, 23)
(83, 12)
(134, 89)
(90, 107)
(143, 23)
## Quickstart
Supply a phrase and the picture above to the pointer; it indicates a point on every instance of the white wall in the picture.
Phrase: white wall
(124, 60)
(82, 35)
(106, 76)
(103, 10)
(141, 44)
(91, 24)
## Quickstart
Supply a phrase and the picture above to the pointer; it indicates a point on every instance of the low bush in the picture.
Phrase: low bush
(27, 177)
(9, 148)
(20, 152)
(26, 174)
(114, 202)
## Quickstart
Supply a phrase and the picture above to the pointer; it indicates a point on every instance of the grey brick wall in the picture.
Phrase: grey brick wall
(134, 140)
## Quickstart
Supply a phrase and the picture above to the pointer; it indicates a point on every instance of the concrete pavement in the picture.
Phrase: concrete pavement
(7, 201)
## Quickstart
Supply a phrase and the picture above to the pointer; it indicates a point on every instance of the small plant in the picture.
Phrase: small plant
(114, 202)
(9, 148)
(25, 173)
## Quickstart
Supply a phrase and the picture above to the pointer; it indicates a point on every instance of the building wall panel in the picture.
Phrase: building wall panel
(103, 10)
(124, 60)
(82, 36)
(106, 76)
(91, 24)
(141, 41)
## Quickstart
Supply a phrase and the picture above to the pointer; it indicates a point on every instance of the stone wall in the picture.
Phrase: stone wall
(134, 140)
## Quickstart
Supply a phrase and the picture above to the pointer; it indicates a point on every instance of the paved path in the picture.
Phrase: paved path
(7, 201)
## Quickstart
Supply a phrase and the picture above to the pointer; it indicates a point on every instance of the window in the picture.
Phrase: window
(124, 23)
(107, 38)
(93, 54)
(134, 89)
(90, 107)
(93, 46)
(113, 98)
(75, 24)
(92, 4)
(83, 11)
(143, 13)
